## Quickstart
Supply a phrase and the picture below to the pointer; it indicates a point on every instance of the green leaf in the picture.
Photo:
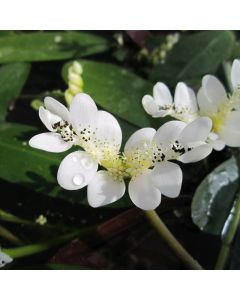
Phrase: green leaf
(35, 169)
(12, 80)
(214, 197)
(115, 89)
(44, 46)
(194, 56)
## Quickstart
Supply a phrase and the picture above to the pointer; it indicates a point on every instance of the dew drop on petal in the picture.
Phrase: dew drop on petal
(78, 179)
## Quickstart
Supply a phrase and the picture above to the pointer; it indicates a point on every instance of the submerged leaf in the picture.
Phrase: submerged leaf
(214, 197)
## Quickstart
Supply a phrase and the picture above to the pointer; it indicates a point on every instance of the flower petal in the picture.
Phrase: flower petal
(167, 177)
(143, 193)
(109, 130)
(184, 98)
(103, 189)
(206, 107)
(235, 74)
(45, 117)
(4, 259)
(196, 131)
(57, 108)
(162, 95)
(196, 154)
(140, 139)
(76, 170)
(218, 145)
(150, 105)
(230, 133)
(214, 90)
(49, 141)
(169, 132)
(83, 111)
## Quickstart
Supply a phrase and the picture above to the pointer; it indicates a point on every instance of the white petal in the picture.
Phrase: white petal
(76, 170)
(196, 154)
(184, 97)
(150, 105)
(103, 189)
(109, 130)
(49, 141)
(214, 90)
(167, 177)
(196, 131)
(235, 74)
(217, 145)
(161, 94)
(169, 132)
(143, 193)
(4, 259)
(45, 117)
(140, 139)
(230, 133)
(206, 107)
(83, 112)
(57, 108)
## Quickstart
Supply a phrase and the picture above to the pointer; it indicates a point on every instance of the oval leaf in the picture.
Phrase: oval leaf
(44, 46)
(12, 80)
(194, 56)
(214, 197)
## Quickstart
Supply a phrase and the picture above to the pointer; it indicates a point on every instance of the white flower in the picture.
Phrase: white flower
(183, 107)
(145, 162)
(96, 132)
(224, 111)
(4, 259)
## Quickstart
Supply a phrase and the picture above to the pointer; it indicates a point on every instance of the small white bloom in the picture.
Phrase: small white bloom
(146, 163)
(222, 109)
(183, 107)
(4, 259)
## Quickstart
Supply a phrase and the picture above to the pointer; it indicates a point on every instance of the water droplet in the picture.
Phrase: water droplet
(87, 163)
(78, 179)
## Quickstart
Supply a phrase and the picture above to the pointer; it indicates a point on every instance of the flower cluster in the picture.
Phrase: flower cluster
(145, 163)
(211, 101)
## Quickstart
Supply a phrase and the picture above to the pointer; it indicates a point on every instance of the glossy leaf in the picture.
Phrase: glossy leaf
(194, 56)
(12, 80)
(214, 197)
(44, 46)
(32, 168)
(116, 90)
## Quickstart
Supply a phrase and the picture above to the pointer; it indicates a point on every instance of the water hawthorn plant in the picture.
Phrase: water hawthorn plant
(147, 163)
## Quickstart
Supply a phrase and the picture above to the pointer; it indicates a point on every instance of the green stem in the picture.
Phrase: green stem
(176, 247)
(8, 235)
(44, 246)
(228, 234)
(7, 217)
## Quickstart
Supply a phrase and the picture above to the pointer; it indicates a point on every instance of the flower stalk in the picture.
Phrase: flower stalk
(167, 236)
(32, 249)
(228, 234)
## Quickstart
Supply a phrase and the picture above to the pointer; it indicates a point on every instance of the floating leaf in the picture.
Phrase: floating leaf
(214, 197)
(44, 46)
(12, 80)
(115, 89)
(194, 56)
